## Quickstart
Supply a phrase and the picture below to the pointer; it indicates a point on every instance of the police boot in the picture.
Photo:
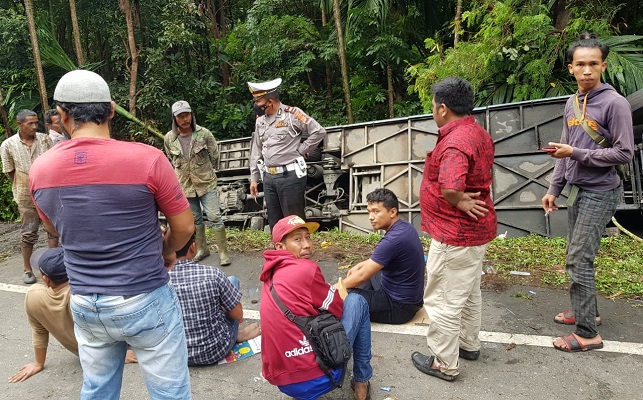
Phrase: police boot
(201, 244)
(219, 236)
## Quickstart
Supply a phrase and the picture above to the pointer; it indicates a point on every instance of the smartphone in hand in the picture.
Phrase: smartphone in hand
(549, 150)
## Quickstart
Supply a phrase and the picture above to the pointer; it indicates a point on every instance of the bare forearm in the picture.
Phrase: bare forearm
(41, 356)
(50, 228)
(236, 313)
(452, 196)
(356, 276)
(181, 228)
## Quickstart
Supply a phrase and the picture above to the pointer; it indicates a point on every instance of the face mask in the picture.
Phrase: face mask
(260, 110)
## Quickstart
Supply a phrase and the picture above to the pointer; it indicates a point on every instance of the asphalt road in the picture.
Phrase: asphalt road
(517, 359)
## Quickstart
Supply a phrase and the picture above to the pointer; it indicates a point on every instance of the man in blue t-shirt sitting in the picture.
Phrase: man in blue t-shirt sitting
(392, 280)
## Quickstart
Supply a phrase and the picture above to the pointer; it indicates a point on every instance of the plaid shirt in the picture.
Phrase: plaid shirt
(17, 157)
(206, 295)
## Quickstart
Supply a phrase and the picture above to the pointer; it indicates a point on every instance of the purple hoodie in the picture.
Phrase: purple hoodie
(590, 166)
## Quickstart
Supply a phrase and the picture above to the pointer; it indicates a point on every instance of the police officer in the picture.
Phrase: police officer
(277, 152)
(194, 153)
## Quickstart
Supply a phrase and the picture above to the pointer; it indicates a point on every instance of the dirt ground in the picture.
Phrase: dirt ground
(10, 239)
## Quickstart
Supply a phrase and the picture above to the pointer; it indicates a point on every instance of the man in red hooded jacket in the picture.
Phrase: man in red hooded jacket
(287, 357)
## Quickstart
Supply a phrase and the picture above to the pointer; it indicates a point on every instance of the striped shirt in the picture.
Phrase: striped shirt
(17, 157)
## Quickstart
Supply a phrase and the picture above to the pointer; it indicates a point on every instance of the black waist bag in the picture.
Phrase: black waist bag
(326, 336)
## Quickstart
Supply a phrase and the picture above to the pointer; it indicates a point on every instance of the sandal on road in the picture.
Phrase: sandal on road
(568, 319)
(572, 345)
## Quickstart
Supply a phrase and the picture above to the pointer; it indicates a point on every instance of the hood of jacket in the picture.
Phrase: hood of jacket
(175, 128)
(276, 259)
(605, 87)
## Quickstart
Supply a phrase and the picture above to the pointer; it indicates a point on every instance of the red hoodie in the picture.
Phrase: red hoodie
(286, 355)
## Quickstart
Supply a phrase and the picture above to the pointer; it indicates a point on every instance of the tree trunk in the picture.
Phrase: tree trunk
(225, 67)
(458, 22)
(222, 7)
(133, 69)
(5, 118)
(212, 10)
(342, 61)
(216, 12)
(561, 15)
(76, 33)
(391, 91)
(36, 55)
(329, 80)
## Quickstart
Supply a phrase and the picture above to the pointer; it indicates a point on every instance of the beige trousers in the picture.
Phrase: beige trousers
(453, 302)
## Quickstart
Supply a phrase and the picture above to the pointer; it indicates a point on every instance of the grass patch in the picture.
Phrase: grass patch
(619, 263)
(522, 295)
(347, 249)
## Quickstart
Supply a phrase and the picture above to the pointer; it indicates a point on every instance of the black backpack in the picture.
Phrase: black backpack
(326, 335)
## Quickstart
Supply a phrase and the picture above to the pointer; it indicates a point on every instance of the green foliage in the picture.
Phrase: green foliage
(513, 53)
(8, 208)
(17, 78)
(508, 49)
(625, 63)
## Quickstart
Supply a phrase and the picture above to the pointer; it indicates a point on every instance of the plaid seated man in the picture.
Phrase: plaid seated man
(211, 307)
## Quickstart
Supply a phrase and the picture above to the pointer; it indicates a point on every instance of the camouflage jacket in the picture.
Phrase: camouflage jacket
(196, 171)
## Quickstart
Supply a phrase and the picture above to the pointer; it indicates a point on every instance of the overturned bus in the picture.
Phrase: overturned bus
(355, 159)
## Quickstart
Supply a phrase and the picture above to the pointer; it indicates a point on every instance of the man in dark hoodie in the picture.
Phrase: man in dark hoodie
(595, 186)
(288, 360)
(194, 154)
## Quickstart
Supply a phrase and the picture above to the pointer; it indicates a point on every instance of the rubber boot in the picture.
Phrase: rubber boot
(219, 236)
(201, 244)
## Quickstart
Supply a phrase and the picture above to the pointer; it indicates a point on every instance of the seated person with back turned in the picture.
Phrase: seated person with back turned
(211, 307)
(392, 279)
(47, 308)
(287, 357)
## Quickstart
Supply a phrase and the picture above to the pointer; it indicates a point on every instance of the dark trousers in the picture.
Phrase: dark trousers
(382, 307)
(285, 195)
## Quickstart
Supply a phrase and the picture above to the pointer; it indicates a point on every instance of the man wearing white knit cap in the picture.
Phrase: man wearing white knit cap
(105, 207)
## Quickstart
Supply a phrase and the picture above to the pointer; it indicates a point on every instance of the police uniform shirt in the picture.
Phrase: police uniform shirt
(277, 138)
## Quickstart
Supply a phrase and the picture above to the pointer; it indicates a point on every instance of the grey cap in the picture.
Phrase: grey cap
(81, 86)
(180, 106)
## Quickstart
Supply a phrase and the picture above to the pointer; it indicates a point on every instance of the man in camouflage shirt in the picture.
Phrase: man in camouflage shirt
(194, 153)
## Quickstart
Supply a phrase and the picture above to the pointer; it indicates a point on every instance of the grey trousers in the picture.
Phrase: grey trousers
(586, 221)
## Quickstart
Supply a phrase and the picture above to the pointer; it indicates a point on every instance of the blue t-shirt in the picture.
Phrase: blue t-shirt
(400, 252)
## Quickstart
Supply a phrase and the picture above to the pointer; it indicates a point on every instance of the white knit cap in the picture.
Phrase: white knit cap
(81, 86)
(181, 106)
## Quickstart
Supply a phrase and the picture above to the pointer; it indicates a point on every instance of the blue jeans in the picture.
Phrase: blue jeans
(233, 324)
(151, 324)
(208, 204)
(357, 323)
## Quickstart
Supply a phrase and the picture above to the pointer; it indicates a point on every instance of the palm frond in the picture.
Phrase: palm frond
(50, 50)
(365, 12)
(625, 63)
